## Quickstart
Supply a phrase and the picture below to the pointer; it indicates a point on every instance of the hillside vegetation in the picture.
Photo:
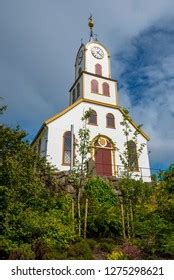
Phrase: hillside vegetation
(129, 220)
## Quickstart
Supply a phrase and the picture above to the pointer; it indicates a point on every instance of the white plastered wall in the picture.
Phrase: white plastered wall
(82, 64)
(43, 137)
(112, 99)
(90, 60)
(80, 81)
(58, 127)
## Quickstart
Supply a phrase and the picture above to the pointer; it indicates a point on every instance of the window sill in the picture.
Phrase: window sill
(110, 127)
(101, 94)
(93, 124)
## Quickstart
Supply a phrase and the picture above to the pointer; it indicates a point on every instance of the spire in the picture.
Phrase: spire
(91, 25)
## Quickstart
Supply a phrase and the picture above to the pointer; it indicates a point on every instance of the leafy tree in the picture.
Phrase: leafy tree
(128, 188)
(103, 215)
(2, 108)
(168, 178)
(128, 156)
(80, 170)
(154, 223)
(29, 209)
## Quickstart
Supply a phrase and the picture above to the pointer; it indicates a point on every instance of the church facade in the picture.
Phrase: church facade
(94, 88)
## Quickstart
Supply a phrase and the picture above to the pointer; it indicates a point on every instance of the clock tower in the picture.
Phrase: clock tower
(93, 73)
(94, 88)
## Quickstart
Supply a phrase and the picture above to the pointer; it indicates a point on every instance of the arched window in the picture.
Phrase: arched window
(78, 90)
(98, 69)
(92, 118)
(67, 147)
(106, 90)
(132, 156)
(73, 95)
(94, 86)
(110, 120)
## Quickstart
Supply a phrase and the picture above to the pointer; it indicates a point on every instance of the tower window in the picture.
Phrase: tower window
(132, 156)
(93, 118)
(105, 87)
(73, 95)
(67, 147)
(94, 86)
(80, 70)
(110, 120)
(78, 90)
(98, 69)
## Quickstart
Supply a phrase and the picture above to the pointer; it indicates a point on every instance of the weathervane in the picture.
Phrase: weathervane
(91, 25)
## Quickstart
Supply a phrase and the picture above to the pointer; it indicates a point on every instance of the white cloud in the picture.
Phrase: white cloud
(154, 106)
(39, 40)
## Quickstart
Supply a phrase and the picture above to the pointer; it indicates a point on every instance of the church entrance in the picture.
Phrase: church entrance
(103, 157)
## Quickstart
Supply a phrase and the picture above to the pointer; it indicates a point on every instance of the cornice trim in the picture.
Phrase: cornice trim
(38, 133)
(91, 74)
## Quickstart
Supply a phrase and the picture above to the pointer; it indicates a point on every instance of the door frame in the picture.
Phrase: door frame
(112, 148)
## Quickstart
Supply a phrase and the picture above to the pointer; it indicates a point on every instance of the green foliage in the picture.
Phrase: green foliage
(154, 222)
(103, 216)
(106, 246)
(168, 178)
(23, 252)
(167, 243)
(83, 146)
(2, 107)
(36, 223)
(129, 156)
(29, 209)
(117, 254)
(100, 190)
(92, 243)
(45, 251)
(79, 173)
(6, 246)
(80, 251)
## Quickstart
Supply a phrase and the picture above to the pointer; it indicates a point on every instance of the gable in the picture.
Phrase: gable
(66, 110)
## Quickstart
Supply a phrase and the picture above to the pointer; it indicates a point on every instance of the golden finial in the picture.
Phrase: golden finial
(91, 25)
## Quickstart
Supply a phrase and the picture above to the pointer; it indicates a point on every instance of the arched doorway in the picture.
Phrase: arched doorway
(103, 156)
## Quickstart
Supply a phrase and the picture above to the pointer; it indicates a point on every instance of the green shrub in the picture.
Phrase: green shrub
(167, 245)
(23, 252)
(103, 212)
(117, 255)
(92, 243)
(101, 191)
(107, 247)
(80, 251)
(55, 255)
(5, 247)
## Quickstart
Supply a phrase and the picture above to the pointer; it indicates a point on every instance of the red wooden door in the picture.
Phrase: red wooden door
(103, 162)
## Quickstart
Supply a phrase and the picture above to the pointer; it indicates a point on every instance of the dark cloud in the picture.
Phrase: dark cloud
(147, 80)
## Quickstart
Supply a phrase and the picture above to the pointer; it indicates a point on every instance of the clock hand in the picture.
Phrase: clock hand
(99, 52)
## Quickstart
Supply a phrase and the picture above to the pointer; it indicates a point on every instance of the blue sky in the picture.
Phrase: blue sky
(38, 44)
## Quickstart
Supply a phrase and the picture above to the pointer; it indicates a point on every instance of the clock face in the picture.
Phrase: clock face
(97, 52)
(80, 57)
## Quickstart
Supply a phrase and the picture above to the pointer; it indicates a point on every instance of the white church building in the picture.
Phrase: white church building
(93, 88)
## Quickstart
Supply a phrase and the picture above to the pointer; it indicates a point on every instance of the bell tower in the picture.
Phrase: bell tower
(93, 57)
(93, 72)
